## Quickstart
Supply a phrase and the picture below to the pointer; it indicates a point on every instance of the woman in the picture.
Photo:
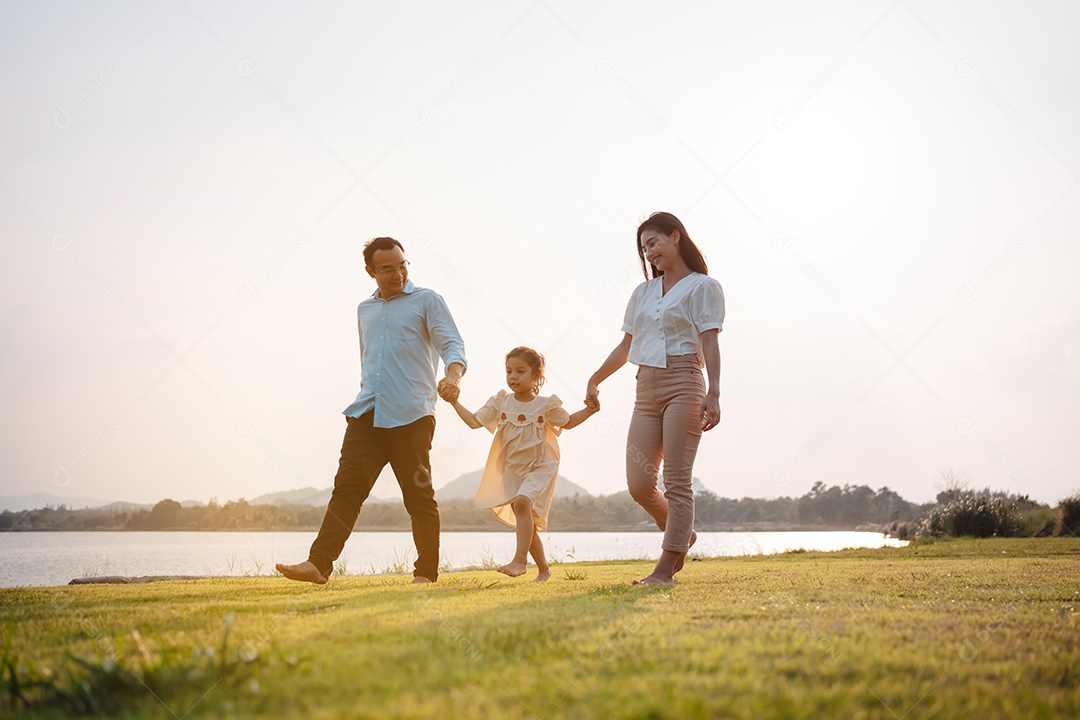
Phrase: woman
(670, 329)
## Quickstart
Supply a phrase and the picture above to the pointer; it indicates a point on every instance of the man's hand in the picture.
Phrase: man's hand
(450, 388)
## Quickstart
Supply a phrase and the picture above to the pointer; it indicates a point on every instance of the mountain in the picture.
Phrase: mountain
(308, 496)
(699, 487)
(464, 487)
(303, 496)
(461, 488)
(19, 503)
(121, 506)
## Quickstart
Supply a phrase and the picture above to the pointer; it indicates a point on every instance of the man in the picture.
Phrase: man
(404, 330)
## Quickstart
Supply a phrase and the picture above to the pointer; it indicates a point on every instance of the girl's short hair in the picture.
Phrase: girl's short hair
(534, 360)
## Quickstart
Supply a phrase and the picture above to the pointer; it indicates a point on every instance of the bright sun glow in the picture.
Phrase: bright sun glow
(819, 172)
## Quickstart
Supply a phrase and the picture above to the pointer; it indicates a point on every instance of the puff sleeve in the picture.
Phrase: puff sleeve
(707, 306)
(554, 413)
(488, 415)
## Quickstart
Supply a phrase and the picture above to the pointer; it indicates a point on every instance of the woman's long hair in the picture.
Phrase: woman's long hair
(667, 223)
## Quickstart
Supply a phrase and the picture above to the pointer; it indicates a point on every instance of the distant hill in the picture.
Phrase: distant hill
(699, 487)
(302, 496)
(306, 496)
(121, 506)
(19, 503)
(461, 488)
(464, 487)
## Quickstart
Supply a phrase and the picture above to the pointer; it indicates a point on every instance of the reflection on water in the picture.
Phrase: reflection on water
(54, 558)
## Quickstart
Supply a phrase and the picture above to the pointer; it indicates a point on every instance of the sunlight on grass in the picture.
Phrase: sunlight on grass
(943, 629)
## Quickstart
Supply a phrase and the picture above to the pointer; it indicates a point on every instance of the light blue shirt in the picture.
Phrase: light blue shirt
(401, 341)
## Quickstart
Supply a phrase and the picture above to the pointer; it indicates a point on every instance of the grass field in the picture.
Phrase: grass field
(981, 628)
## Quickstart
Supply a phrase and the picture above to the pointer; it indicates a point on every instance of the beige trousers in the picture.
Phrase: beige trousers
(666, 425)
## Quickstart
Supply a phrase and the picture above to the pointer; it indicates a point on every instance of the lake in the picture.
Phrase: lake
(54, 558)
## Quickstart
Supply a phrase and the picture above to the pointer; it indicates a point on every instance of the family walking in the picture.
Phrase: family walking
(669, 331)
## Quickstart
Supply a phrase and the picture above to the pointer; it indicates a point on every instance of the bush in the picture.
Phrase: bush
(1069, 516)
(902, 530)
(971, 515)
(1037, 522)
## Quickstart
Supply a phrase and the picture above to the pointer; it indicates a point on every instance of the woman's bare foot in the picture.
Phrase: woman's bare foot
(421, 580)
(543, 575)
(680, 561)
(664, 572)
(513, 568)
(304, 572)
(654, 580)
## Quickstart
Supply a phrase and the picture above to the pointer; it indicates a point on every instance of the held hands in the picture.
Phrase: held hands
(450, 388)
(592, 397)
(710, 411)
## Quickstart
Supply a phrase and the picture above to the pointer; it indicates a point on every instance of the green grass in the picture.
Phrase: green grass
(987, 628)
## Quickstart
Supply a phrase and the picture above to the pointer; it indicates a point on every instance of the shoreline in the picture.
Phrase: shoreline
(733, 528)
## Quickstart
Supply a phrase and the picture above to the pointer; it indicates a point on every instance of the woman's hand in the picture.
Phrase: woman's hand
(592, 396)
(710, 411)
(614, 361)
(710, 406)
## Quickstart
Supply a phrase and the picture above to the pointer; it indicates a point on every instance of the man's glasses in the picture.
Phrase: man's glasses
(390, 269)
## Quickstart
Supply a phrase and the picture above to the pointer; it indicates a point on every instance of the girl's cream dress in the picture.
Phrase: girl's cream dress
(524, 457)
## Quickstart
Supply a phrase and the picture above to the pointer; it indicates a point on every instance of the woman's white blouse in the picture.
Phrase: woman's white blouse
(672, 324)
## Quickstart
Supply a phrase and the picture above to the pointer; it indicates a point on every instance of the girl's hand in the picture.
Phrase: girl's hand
(710, 412)
(449, 389)
(592, 397)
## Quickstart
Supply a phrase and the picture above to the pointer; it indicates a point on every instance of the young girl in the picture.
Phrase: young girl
(519, 478)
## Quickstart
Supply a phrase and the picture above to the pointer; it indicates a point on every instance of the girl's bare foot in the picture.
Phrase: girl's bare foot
(543, 575)
(304, 572)
(512, 568)
(654, 580)
(421, 580)
(680, 561)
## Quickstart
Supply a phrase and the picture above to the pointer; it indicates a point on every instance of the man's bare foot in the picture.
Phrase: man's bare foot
(654, 580)
(421, 580)
(512, 568)
(543, 576)
(304, 572)
(680, 561)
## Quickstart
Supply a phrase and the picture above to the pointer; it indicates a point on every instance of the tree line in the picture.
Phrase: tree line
(823, 507)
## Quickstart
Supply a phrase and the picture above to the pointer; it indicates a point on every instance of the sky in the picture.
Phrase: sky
(887, 192)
